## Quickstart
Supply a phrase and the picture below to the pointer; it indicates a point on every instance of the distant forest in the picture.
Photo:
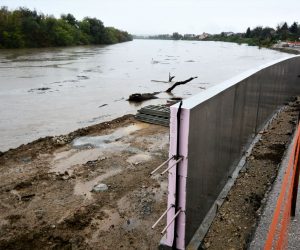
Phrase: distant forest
(24, 28)
(258, 36)
(261, 36)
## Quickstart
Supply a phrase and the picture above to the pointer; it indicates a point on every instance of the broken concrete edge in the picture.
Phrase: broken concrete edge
(201, 232)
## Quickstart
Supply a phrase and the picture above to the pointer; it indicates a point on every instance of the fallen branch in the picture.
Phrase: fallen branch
(180, 83)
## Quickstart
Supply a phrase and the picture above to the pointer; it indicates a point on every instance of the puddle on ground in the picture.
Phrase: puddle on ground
(139, 158)
(64, 161)
(90, 148)
(85, 188)
(102, 140)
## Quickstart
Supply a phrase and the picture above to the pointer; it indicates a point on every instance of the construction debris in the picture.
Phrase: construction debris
(155, 114)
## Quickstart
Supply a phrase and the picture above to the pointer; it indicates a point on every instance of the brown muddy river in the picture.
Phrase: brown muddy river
(57, 90)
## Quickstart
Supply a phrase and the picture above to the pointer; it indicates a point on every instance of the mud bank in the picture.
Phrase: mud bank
(48, 198)
(237, 218)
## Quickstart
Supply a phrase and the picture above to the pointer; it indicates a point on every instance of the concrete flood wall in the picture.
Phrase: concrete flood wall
(216, 126)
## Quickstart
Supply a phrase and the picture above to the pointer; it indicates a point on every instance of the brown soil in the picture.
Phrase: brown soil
(237, 218)
(45, 189)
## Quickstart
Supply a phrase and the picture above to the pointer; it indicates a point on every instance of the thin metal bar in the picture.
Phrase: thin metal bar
(161, 165)
(167, 226)
(180, 159)
(160, 218)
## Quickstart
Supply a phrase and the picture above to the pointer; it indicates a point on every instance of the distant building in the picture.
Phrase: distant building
(293, 44)
(203, 36)
(228, 33)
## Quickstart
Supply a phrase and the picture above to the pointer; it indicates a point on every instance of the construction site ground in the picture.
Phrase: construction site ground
(47, 199)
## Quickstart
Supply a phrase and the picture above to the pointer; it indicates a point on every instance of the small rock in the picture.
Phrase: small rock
(100, 187)
(53, 226)
(207, 245)
(39, 214)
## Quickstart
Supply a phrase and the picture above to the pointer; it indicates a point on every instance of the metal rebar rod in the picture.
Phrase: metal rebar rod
(167, 226)
(161, 165)
(180, 159)
(160, 218)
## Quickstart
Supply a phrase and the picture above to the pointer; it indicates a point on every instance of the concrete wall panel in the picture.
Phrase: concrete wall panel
(221, 124)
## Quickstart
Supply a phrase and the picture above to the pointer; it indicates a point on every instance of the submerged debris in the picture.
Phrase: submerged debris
(137, 97)
(39, 89)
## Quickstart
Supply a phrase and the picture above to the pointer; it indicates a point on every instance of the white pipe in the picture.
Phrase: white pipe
(180, 159)
(160, 218)
(161, 165)
(167, 226)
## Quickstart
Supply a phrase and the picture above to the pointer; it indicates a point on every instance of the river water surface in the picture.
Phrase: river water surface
(57, 90)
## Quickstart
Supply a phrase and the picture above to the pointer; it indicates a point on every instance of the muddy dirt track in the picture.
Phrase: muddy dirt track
(46, 189)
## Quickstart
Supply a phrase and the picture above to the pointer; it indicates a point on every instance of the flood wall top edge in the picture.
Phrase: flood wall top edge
(203, 96)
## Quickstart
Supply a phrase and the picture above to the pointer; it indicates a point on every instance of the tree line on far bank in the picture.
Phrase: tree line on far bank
(24, 28)
(262, 36)
(259, 36)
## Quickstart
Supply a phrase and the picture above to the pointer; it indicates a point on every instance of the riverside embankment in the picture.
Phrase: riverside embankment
(47, 194)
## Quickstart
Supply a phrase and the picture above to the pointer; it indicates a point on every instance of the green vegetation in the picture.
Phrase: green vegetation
(259, 36)
(23, 28)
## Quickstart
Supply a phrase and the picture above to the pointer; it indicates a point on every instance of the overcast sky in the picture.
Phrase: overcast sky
(167, 16)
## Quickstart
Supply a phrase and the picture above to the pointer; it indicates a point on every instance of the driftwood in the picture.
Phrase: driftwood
(171, 77)
(160, 81)
(180, 83)
(169, 80)
(137, 97)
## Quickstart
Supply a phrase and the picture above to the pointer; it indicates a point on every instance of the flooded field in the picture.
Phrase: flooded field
(55, 91)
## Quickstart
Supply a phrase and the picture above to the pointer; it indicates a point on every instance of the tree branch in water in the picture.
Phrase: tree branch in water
(180, 83)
